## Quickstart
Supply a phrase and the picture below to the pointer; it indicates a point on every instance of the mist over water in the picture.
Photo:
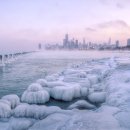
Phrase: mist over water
(15, 77)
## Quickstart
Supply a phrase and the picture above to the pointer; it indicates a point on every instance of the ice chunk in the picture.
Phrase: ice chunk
(81, 104)
(35, 94)
(66, 93)
(5, 109)
(97, 97)
(13, 99)
(38, 97)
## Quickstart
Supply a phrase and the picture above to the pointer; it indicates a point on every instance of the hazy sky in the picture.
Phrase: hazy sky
(25, 23)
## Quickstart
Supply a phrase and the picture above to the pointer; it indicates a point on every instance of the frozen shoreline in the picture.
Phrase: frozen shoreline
(96, 81)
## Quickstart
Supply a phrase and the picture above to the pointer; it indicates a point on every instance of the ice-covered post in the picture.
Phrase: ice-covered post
(1, 59)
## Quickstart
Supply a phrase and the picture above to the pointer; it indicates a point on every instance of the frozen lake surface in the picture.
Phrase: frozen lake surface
(16, 76)
(66, 90)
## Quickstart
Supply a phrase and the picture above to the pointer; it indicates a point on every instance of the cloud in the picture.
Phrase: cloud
(113, 24)
(120, 4)
(89, 29)
(117, 29)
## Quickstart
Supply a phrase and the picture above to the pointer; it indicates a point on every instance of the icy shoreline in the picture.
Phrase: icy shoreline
(92, 83)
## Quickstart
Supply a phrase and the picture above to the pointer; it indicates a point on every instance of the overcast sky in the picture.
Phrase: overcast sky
(24, 23)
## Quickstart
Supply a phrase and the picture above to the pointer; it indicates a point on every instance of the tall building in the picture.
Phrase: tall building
(117, 43)
(66, 41)
(128, 42)
(39, 46)
(109, 41)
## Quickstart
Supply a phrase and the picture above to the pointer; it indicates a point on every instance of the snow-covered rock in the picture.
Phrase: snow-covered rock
(81, 104)
(13, 99)
(35, 94)
(97, 97)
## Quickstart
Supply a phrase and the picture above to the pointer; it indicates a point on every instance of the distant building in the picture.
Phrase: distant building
(128, 42)
(66, 41)
(39, 46)
(117, 43)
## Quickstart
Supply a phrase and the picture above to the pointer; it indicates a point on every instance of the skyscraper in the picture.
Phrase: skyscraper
(128, 42)
(39, 46)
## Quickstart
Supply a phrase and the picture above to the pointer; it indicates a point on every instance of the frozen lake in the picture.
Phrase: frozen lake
(16, 76)
(68, 90)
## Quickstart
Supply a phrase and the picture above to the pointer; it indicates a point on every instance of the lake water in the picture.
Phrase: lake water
(15, 77)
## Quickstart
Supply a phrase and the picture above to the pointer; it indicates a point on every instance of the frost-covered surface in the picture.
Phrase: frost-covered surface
(101, 89)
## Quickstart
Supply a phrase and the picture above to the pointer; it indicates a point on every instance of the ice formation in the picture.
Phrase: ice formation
(97, 97)
(35, 94)
(13, 99)
(81, 104)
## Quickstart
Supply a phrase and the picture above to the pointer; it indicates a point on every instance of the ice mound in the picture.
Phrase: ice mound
(82, 104)
(97, 97)
(42, 82)
(35, 94)
(34, 111)
(66, 93)
(5, 109)
(20, 124)
(13, 99)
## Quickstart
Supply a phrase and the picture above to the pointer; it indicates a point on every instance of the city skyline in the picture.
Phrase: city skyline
(26, 23)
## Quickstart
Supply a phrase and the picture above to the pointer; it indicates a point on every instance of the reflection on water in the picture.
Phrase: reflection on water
(16, 76)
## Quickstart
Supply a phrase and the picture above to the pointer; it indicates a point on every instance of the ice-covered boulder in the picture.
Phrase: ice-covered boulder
(42, 82)
(97, 97)
(35, 94)
(13, 99)
(81, 104)
(66, 93)
(34, 111)
(5, 109)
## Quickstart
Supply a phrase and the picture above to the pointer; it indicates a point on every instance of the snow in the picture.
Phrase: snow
(35, 94)
(13, 99)
(97, 97)
(81, 104)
